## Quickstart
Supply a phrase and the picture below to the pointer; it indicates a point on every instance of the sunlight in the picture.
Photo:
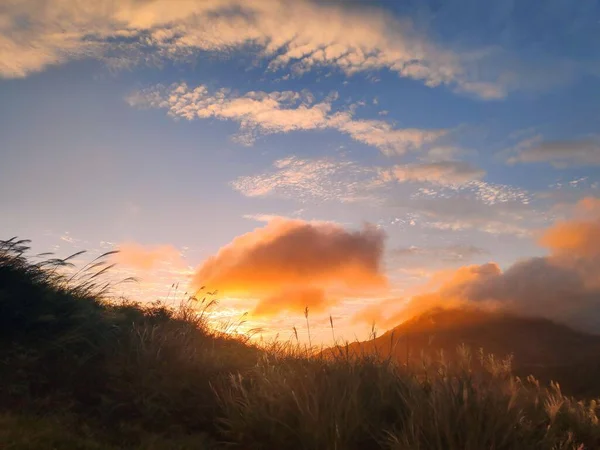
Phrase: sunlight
(272, 224)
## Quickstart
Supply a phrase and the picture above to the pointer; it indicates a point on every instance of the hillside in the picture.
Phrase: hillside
(81, 371)
(537, 346)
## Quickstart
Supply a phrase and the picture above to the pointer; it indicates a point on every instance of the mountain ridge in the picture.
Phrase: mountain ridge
(543, 348)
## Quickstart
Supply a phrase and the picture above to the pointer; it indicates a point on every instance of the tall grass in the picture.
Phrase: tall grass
(79, 370)
(364, 402)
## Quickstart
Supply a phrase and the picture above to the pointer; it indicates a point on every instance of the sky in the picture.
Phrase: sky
(348, 156)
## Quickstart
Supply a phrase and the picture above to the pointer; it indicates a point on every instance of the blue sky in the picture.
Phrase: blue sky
(460, 128)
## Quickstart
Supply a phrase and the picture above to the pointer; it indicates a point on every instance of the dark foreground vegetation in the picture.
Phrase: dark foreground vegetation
(548, 350)
(79, 371)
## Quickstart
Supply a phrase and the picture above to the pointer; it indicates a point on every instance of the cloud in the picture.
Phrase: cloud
(290, 264)
(295, 300)
(561, 153)
(381, 134)
(453, 293)
(143, 258)
(306, 179)
(266, 218)
(476, 205)
(279, 112)
(443, 153)
(465, 213)
(441, 172)
(299, 35)
(31, 37)
(563, 286)
(275, 112)
(581, 238)
(444, 289)
(430, 255)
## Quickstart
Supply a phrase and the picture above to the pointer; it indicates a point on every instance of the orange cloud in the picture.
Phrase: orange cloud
(447, 289)
(579, 237)
(588, 205)
(299, 35)
(440, 172)
(563, 286)
(290, 264)
(143, 258)
(573, 238)
(295, 300)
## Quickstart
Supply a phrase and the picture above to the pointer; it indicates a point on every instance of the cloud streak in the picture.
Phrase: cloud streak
(446, 204)
(139, 257)
(449, 173)
(311, 180)
(298, 35)
(280, 112)
(475, 205)
(560, 153)
(426, 256)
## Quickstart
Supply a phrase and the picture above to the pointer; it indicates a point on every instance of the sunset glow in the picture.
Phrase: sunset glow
(366, 160)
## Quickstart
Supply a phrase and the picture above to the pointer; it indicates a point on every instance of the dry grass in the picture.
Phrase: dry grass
(80, 372)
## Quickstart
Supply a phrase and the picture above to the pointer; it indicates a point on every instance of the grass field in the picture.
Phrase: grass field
(82, 371)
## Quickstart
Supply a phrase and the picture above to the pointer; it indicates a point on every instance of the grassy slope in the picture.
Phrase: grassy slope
(79, 372)
(537, 346)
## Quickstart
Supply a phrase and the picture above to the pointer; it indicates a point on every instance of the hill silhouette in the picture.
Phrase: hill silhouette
(537, 346)
(82, 371)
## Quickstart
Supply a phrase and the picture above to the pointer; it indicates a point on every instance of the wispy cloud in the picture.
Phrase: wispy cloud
(560, 153)
(300, 34)
(420, 256)
(444, 204)
(263, 217)
(310, 179)
(449, 173)
(297, 35)
(136, 256)
(476, 205)
(383, 135)
(280, 112)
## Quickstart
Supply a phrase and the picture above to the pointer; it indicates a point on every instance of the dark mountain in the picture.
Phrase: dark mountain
(539, 347)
